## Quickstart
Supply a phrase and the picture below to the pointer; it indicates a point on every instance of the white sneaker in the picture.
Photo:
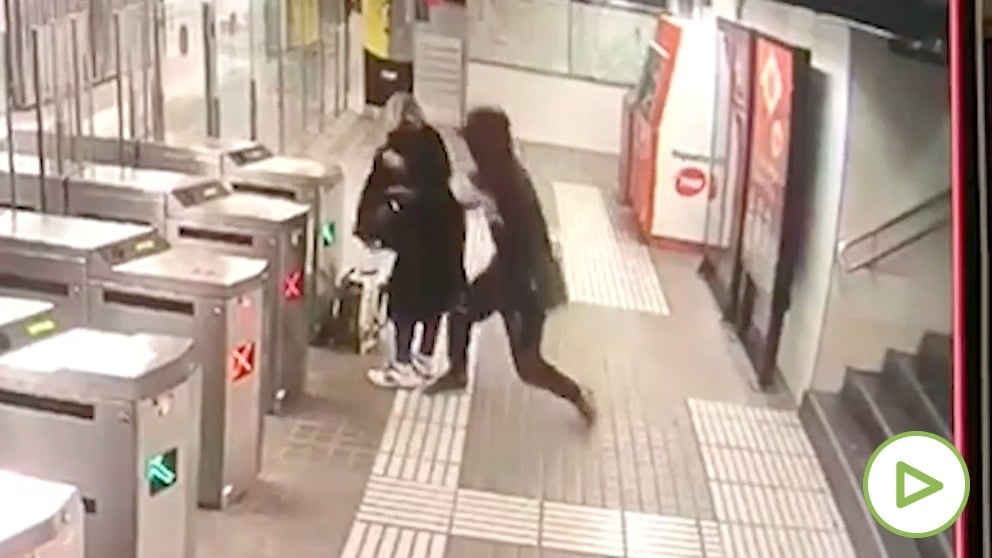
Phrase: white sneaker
(402, 376)
(425, 365)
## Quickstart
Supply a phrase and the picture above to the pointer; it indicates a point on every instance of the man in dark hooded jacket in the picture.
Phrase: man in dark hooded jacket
(523, 282)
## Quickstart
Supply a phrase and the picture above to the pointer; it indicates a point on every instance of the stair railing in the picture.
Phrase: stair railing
(895, 234)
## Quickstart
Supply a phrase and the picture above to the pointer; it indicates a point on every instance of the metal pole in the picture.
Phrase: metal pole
(280, 73)
(119, 87)
(56, 77)
(76, 97)
(158, 91)
(9, 101)
(39, 115)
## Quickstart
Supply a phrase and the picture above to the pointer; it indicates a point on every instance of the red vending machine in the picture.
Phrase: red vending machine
(648, 106)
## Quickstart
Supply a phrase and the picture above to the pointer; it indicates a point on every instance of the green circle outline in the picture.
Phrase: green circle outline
(947, 444)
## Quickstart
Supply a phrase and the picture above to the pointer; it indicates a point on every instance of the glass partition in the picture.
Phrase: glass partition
(184, 74)
(527, 33)
(608, 44)
(234, 67)
(601, 41)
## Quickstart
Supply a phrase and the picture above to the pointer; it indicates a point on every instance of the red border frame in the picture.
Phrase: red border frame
(961, 157)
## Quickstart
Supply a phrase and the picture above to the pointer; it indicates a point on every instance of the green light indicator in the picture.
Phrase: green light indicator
(328, 233)
(40, 327)
(161, 471)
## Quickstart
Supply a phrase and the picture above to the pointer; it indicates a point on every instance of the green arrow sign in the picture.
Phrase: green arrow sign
(161, 471)
(328, 233)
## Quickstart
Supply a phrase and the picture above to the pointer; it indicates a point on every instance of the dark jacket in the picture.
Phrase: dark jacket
(529, 271)
(425, 230)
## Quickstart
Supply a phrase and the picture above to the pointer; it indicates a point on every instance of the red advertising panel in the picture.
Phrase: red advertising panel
(769, 166)
(644, 126)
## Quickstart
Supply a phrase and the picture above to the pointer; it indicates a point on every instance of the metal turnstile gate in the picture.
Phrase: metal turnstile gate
(117, 419)
(39, 518)
(24, 321)
(125, 277)
(248, 167)
(200, 211)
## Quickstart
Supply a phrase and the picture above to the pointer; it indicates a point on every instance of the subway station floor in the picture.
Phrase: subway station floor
(687, 459)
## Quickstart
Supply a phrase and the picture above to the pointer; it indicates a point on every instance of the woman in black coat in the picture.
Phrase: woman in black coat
(410, 207)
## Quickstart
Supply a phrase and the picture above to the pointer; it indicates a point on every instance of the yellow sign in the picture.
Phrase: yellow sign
(144, 245)
(375, 16)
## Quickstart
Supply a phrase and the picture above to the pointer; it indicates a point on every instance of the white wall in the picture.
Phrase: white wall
(550, 109)
(828, 40)
(898, 156)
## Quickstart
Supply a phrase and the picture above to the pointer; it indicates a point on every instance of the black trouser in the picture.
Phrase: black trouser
(405, 323)
(523, 317)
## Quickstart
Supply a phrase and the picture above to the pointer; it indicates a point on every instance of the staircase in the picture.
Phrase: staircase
(911, 392)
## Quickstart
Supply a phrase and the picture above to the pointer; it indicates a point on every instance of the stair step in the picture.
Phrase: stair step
(869, 399)
(843, 451)
(880, 414)
(901, 378)
(934, 362)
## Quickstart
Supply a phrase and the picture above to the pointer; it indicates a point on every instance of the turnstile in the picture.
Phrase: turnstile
(192, 210)
(24, 321)
(39, 518)
(115, 415)
(125, 277)
(249, 167)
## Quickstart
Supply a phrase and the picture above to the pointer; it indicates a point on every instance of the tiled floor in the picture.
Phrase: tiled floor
(504, 470)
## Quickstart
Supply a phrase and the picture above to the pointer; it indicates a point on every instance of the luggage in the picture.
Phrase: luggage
(359, 312)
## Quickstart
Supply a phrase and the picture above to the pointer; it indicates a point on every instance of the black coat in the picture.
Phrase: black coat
(529, 272)
(425, 230)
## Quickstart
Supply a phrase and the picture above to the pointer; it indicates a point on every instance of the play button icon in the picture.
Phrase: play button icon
(916, 484)
(920, 484)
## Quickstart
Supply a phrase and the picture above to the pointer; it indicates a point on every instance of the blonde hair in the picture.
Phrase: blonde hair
(402, 106)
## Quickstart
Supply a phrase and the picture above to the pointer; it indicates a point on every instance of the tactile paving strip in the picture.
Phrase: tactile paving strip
(770, 495)
(604, 263)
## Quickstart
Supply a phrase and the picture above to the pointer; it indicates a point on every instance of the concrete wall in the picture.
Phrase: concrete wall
(880, 145)
(551, 109)
(898, 155)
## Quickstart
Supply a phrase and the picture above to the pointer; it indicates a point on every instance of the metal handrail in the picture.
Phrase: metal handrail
(845, 246)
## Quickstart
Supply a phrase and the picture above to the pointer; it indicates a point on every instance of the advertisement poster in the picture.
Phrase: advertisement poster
(730, 149)
(769, 165)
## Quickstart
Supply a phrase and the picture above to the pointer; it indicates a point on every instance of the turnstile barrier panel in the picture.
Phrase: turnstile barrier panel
(91, 408)
(272, 229)
(39, 518)
(24, 321)
(294, 334)
(245, 350)
(61, 282)
(189, 291)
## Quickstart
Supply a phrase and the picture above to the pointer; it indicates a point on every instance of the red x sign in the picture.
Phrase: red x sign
(292, 286)
(242, 361)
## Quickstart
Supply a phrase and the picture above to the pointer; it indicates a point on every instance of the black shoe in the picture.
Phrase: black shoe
(586, 406)
(450, 381)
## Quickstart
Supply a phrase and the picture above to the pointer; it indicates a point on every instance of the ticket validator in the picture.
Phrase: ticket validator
(125, 277)
(114, 415)
(24, 321)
